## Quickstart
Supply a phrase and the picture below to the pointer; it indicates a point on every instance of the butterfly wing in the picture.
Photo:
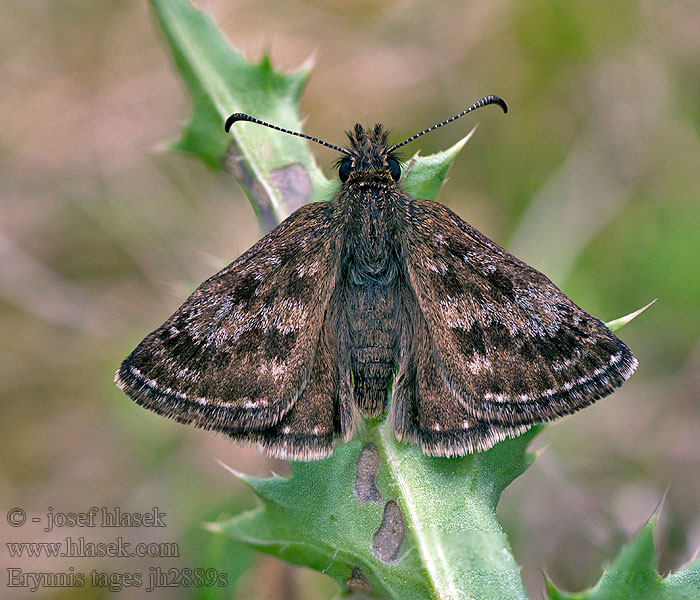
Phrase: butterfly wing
(240, 350)
(509, 346)
(424, 411)
(308, 429)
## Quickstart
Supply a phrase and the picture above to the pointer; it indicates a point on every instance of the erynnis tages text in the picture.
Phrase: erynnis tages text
(374, 299)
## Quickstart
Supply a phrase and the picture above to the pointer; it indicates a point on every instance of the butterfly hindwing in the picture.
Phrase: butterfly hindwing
(307, 431)
(239, 351)
(508, 344)
(424, 411)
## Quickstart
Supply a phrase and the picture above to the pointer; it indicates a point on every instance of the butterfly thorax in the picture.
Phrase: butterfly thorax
(369, 245)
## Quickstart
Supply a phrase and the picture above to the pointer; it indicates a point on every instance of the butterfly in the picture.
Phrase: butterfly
(374, 302)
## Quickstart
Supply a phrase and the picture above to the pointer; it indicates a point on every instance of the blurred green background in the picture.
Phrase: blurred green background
(593, 177)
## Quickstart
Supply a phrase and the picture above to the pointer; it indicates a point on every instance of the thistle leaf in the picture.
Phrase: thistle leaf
(427, 530)
(634, 575)
(615, 324)
(277, 171)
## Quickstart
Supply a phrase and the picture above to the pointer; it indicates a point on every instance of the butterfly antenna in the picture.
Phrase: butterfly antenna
(244, 117)
(483, 102)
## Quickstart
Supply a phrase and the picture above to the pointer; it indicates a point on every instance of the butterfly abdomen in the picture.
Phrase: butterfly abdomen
(371, 317)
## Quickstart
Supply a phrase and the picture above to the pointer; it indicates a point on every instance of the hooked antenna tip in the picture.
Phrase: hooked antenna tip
(501, 102)
(233, 118)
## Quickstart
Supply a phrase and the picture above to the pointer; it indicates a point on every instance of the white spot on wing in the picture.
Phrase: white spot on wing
(478, 364)
(293, 315)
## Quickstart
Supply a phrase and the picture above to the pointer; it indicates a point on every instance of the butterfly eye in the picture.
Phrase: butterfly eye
(345, 170)
(394, 168)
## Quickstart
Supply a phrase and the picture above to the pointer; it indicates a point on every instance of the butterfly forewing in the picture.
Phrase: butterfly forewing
(237, 354)
(508, 344)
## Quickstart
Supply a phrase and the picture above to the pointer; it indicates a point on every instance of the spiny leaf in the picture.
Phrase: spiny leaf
(426, 174)
(277, 171)
(634, 575)
(430, 531)
(220, 81)
(615, 324)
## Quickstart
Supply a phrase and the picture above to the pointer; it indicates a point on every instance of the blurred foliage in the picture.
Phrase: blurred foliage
(592, 177)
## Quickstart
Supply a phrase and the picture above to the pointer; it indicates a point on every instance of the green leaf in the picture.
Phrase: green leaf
(615, 324)
(220, 81)
(277, 171)
(453, 546)
(634, 575)
(426, 174)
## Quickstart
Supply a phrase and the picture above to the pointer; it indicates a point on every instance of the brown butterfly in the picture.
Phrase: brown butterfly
(374, 299)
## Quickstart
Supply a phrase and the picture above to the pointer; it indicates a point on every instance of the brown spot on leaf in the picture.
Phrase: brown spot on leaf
(390, 535)
(366, 475)
(357, 582)
(294, 184)
(234, 163)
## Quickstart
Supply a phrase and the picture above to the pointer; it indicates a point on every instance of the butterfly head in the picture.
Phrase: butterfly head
(368, 154)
